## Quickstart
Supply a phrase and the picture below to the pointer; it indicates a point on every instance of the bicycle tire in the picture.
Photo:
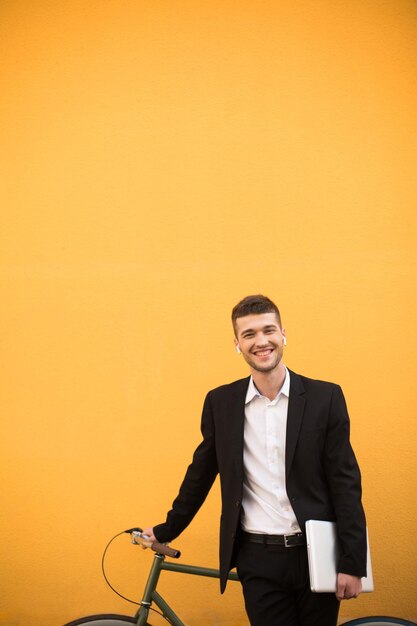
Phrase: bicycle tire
(379, 620)
(107, 619)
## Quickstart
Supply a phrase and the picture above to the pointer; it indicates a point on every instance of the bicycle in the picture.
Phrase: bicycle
(150, 595)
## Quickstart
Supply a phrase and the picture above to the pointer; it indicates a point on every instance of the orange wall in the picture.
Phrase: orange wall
(160, 161)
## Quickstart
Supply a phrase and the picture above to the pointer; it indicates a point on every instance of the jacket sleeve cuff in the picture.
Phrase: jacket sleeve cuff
(346, 566)
(161, 533)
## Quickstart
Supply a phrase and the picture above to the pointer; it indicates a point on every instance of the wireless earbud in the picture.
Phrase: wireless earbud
(285, 341)
(238, 350)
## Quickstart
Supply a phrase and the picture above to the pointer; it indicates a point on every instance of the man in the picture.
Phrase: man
(280, 442)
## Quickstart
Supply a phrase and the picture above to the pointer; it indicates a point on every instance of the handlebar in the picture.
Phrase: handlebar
(139, 538)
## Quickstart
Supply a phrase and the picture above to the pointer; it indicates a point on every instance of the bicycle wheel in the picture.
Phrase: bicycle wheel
(379, 620)
(104, 620)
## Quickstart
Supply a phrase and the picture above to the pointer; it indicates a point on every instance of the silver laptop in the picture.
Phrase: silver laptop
(322, 557)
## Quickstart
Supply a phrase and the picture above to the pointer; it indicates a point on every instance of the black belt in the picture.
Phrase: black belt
(289, 541)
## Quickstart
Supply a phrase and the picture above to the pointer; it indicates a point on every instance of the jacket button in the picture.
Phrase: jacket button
(238, 503)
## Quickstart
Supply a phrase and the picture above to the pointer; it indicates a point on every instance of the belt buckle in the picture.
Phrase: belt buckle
(286, 544)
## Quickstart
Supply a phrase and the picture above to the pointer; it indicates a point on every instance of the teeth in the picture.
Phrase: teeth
(263, 353)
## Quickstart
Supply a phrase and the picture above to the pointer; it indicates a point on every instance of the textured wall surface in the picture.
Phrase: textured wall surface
(160, 160)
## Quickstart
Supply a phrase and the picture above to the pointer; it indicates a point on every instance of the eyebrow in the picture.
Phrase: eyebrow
(252, 330)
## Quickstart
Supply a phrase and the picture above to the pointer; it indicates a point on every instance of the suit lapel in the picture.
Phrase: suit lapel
(237, 411)
(294, 419)
(296, 405)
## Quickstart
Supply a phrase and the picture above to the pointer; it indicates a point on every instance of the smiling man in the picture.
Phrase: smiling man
(280, 442)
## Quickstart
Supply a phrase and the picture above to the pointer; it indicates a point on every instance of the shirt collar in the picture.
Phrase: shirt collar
(252, 391)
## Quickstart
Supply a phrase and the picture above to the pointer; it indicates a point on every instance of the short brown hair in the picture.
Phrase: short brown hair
(254, 305)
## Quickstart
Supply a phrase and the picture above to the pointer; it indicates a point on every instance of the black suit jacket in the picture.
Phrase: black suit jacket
(322, 476)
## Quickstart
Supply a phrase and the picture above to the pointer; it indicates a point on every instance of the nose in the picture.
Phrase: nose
(261, 340)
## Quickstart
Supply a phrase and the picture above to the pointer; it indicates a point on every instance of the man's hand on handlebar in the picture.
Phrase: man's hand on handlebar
(149, 533)
(147, 539)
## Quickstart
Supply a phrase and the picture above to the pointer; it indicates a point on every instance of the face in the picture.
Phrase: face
(260, 340)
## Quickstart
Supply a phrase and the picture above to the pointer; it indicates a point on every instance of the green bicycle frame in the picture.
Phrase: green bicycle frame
(150, 594)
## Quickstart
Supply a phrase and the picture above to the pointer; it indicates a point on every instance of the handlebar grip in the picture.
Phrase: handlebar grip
(166, 550)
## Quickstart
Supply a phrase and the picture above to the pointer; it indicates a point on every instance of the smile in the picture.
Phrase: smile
(264, 352)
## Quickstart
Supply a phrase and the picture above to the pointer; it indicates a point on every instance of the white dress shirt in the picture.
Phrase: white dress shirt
(266, 507)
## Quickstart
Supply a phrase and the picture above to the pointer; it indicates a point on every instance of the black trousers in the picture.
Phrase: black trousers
(276, 588)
